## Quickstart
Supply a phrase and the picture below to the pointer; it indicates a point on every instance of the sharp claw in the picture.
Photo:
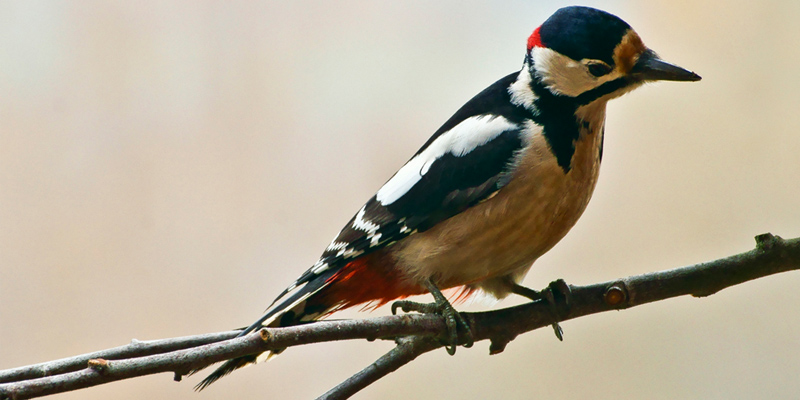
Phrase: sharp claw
(452, 318)
(470, 339)
(558, 288)
(562, 288)
(558, 331)
(452, 329)
(549, 297)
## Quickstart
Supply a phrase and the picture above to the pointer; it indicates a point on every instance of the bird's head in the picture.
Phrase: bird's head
(589, 54)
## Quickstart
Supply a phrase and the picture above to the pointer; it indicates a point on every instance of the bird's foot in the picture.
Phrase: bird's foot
(558, 296)
(452, 318)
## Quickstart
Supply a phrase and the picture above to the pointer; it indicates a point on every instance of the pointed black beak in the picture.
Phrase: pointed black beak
(651, 68)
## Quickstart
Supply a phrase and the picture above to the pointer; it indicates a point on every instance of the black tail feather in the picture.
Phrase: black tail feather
(290, 311)
(225, 369)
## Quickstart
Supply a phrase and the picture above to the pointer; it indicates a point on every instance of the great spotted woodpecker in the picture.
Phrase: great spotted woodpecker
(498, 185)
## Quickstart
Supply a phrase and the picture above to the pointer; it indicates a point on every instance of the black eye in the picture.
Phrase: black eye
(598, 69)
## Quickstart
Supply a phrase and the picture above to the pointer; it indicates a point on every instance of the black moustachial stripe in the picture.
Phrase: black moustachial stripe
(556, 114)
(602, 90)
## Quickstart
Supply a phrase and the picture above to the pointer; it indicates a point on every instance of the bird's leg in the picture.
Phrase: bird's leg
(441, 306)
(557, 292)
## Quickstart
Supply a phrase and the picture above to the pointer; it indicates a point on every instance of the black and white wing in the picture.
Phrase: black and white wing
(467, 160)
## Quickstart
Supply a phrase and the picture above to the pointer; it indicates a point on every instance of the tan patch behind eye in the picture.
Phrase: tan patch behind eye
(628, 50)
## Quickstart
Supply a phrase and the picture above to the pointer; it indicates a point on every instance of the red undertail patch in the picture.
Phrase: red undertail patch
(370, 279)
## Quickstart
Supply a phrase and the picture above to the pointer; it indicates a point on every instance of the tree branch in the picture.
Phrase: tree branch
(415, 334)
(135, 349)
(408, 348)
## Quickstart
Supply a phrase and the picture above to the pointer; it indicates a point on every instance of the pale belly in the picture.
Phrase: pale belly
(505, 235)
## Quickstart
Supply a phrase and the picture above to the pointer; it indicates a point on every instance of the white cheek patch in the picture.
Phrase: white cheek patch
(560, 73)
(458, 141)
(563, 75)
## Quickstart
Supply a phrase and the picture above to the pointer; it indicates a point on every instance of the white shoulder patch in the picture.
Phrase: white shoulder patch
(459, 141)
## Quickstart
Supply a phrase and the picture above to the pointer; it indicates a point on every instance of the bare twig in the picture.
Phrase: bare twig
(181, 361)
(136, 348)
(772, 255)
(408, 348)
(416, 334)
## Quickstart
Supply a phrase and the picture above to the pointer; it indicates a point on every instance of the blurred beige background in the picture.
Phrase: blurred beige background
(167, 169)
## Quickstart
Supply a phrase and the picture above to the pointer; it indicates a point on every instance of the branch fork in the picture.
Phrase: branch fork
(414, 334)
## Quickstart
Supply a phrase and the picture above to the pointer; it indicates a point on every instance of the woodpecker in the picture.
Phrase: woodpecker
(494, 188)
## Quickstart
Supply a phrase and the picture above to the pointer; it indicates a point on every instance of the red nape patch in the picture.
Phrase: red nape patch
(372, 278)
(534, 40)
